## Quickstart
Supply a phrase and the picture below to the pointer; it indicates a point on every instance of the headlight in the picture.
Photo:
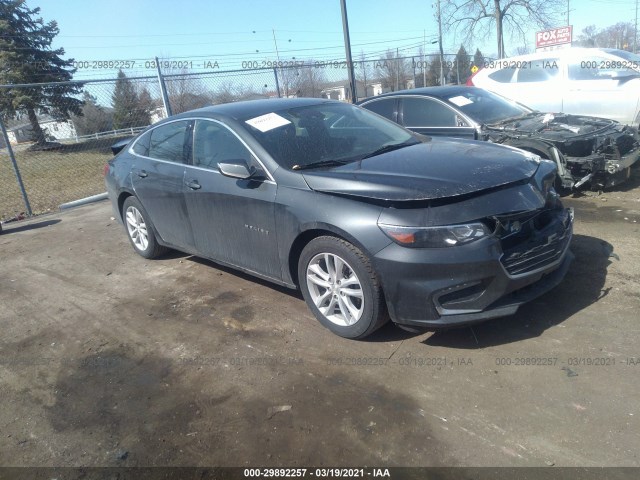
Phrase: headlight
(435, 237)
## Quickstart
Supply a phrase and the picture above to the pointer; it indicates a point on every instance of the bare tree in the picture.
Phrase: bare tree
(364, 74)
(229, 92)
(478, 18)
(392, 71)
(620, 36)
(185, 92)
(588, 37)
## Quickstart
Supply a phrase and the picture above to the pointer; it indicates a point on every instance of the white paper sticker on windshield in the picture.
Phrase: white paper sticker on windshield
(267, 122)
(460, 101)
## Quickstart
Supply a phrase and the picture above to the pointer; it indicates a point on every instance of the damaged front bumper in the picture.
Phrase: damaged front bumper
(604, 171)
(491, 278)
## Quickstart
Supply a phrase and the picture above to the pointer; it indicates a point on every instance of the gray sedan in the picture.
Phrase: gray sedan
(370, 221)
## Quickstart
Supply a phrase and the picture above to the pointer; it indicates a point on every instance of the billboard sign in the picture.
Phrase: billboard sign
(554, 36)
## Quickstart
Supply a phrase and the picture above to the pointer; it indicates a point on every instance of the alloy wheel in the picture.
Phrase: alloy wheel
(335, 289)
(137, 228)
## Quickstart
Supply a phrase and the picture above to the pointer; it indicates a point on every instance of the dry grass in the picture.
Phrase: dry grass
(51, 178)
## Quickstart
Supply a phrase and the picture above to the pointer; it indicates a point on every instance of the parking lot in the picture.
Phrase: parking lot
(108, 359)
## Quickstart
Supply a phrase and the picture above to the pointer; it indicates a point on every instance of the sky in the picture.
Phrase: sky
(235, 34)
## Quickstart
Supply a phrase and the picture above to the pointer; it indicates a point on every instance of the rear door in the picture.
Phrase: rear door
(538, 84)
(157, 175)
(387, 107)
(232, 219)
(595, 88)
(429, 116)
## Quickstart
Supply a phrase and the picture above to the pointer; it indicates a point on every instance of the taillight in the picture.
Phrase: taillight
(470, 79)
(106, 169)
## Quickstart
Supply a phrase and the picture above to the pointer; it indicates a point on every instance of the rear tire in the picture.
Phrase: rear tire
(341, 288)
(140, 230)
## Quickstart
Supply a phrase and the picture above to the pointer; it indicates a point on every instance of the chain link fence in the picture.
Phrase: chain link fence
(58, 142)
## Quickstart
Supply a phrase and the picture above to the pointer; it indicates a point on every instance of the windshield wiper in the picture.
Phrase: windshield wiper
(515, 118)
(321, 163)
(389, 148)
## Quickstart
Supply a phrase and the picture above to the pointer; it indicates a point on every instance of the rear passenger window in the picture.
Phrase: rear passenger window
(167, 142)
(385, 107)
(598, 68)
(539, 70)
(141, 147)
(504, 75)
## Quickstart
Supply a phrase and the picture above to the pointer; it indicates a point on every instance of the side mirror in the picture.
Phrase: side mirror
(237, 169)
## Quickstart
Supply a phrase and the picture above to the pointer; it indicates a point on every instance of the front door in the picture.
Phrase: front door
(232, 219)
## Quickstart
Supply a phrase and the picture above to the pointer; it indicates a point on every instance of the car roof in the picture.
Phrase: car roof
(252, 108)
(442, 93)
(560, 53)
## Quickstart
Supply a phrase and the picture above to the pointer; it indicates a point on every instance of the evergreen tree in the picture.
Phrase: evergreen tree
(26, 56)
(461, 67)
(94, 119)
(433, 72)
(478, 59)
(128, 110)
(145, 106)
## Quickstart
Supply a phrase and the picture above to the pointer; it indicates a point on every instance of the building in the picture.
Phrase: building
(20, 131)
(340, 90)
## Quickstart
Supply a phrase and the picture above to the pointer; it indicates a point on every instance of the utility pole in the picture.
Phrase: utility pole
(397, 69)
(568, 13)
(424, 63)
(635, 32)
(440, 44)
(286, 83)
(347, 48)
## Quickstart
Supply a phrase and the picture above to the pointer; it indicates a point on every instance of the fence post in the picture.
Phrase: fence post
(275, 74)
(16, 170)
(163, 90)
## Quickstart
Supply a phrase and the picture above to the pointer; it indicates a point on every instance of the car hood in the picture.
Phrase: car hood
(435, 169)
(558, 126)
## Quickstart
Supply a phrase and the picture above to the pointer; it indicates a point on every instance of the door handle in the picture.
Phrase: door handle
(193, 184)
(142, 174)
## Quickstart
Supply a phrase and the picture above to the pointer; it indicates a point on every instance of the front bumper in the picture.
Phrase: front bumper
(468, 284)
(605, 172)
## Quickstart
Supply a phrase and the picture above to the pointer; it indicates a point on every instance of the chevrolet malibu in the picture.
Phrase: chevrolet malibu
(370, 221)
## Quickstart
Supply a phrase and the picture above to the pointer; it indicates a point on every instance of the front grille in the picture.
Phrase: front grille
(533, 240)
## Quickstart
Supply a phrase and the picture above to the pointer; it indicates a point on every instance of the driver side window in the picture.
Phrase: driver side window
(213, 143)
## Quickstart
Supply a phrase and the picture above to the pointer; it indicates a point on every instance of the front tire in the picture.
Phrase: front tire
(140, 229)
(341, 288)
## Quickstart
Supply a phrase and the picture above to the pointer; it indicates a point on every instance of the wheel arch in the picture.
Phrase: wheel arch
(122, 197)
(307, 235)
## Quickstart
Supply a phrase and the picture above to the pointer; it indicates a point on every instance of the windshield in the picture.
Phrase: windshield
(324, 134)
(486, 107)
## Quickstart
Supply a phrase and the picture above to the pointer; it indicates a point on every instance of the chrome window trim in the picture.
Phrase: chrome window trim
(241, 141)
(151, 128)
(471, 123)
(270, 178)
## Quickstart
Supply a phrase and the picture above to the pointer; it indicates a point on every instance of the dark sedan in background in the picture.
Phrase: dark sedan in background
(588, 151)
(369, 220)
